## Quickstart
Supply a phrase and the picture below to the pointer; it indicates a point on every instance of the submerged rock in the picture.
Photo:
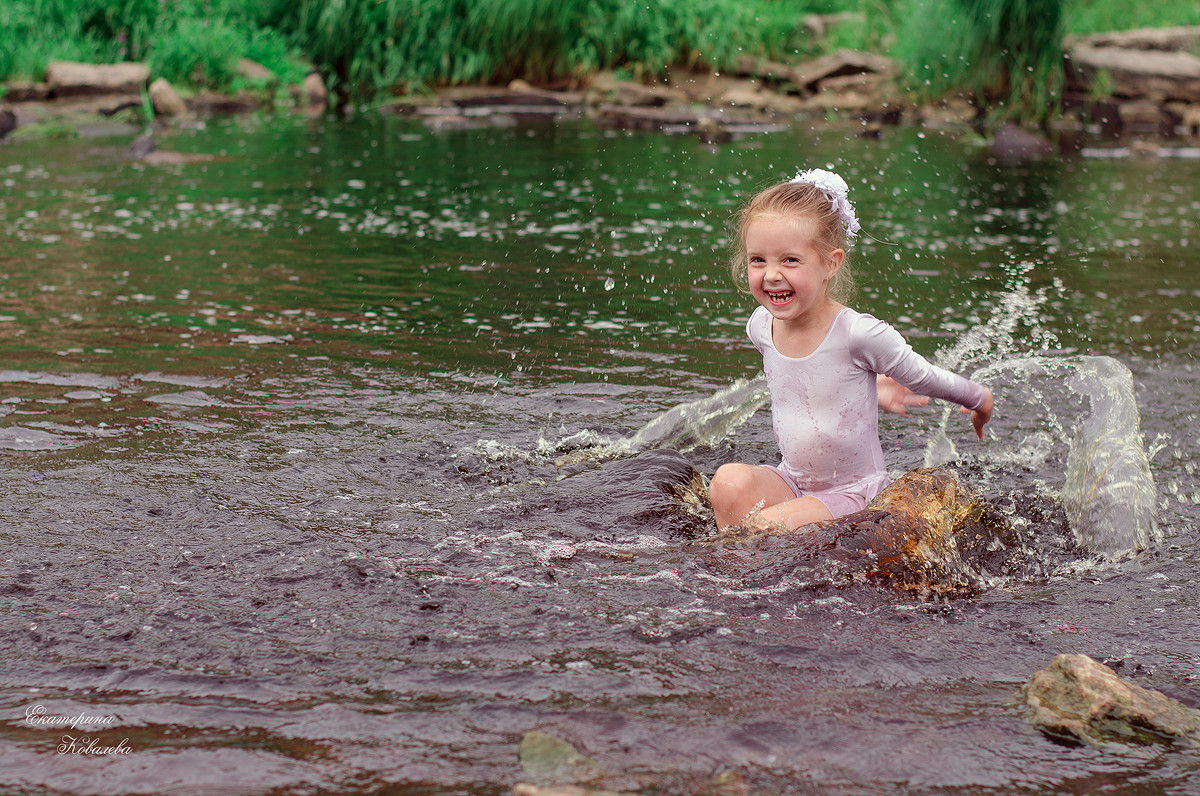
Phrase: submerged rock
(1077, 698)
(927, 533)
(548, 760)
(1013, 143)
(556, 768)
(8, 122)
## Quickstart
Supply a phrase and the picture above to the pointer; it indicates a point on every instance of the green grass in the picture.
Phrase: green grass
(1104, 16)
(1005, 56)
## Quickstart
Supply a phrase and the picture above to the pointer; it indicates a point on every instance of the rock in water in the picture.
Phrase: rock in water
(927, 533)
(1013, 143)
(556, 768)
(1077, 698)
(143, 146)
(548, 759)
(8, 122)
(166, 99)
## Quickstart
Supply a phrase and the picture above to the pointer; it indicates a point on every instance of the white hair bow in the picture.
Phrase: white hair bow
(838, 192)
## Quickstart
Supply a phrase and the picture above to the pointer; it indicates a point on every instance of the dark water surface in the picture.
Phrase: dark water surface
(318, 473)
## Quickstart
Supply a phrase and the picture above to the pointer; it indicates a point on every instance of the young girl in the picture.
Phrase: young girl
(822, 360)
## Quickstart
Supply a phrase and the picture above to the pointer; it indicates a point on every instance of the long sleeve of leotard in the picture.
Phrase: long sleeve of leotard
(876, 346)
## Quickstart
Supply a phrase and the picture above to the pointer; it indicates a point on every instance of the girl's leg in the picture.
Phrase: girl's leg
(795, 513)
(737, 489)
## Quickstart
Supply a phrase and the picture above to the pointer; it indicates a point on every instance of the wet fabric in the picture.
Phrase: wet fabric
(824, 406)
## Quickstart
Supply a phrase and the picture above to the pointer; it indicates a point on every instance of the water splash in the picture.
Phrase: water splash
(1078, 416)
(1057, 413)
(1073, 420)
(1109, 492)
(1014, 327)
(706, 421)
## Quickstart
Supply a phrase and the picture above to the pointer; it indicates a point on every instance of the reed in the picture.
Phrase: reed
(1005, 56)
(368, 45)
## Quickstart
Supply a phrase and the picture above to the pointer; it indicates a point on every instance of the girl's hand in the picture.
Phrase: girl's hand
(895, 397)
(980, 416)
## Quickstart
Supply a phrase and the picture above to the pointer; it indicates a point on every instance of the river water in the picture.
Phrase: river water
(333, 463)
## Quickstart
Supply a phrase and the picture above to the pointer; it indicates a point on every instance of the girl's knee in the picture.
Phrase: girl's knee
(730, 484)
(727, 477)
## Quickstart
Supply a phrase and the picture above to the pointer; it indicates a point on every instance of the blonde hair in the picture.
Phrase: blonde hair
(799, 201)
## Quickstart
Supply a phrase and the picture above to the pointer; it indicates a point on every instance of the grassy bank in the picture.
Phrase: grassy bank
(1002, 50)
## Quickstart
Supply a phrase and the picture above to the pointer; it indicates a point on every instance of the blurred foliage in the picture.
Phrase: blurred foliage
(1004, 54)
(193, 43)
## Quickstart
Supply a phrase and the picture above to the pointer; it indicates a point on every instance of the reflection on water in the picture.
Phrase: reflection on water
(341, 461)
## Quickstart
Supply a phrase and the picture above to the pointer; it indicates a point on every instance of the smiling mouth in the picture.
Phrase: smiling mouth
(780, 296)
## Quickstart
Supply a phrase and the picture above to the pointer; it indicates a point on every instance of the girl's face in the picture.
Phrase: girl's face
(788, 275)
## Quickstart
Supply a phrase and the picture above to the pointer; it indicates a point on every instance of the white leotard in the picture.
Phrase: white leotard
(825, 409)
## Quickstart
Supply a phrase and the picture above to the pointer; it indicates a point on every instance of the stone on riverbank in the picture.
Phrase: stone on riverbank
(257, 75)
(315, 93)
(72, 79)
(811, 74)
(1144, 74)
(1077, 698)
(1180, 39)
(166, 99)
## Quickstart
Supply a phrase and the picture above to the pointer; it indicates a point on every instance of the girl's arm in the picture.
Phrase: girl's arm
(882, 349)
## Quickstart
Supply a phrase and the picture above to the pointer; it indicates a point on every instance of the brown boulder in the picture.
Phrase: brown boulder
(1077, 698)
(927, 534)
(314, 92)
(757, 67)
(855, 92)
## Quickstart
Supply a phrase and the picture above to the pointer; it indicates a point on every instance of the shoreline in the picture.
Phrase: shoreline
(1132, 93)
